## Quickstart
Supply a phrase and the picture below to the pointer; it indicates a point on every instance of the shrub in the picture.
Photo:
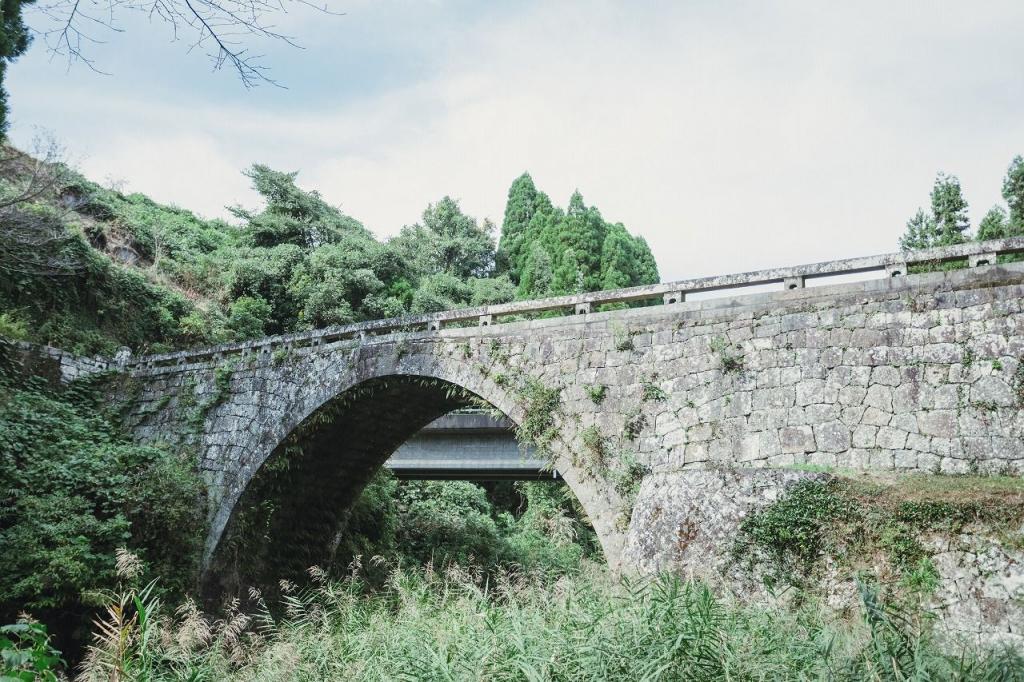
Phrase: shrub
(74, 490)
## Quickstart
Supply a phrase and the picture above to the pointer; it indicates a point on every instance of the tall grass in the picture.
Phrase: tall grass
(457, 624)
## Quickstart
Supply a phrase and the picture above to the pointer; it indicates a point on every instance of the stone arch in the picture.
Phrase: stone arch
(351, 418)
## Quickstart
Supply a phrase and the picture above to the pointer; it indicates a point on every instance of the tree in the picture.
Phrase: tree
(994, 225)
(946, 225)
(626, 260)
(949, 210)
(226, 28)
(1013, 193)
(14, 40)
(293, 215)
(440, 291)
(566, 252)
(519, 209)
(491, 290)
(537, 275)
(460, 246)
(920, 232)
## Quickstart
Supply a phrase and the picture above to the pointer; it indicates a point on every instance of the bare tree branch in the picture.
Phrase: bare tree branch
(226, 26)
(27, 177)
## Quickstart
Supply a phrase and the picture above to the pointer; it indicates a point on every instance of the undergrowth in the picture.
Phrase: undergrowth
(859, 521)
(453, 624)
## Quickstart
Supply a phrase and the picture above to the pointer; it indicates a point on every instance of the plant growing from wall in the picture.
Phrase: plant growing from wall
(1018, 382)
(732, 361)
(651, 390)
(593, 458)
(540, 405)
(623, 338)
(635, 422)
(596, 393)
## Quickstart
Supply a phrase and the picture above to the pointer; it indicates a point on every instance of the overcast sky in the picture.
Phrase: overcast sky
(731, 135)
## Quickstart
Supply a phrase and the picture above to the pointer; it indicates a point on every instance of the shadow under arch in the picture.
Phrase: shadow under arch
(290, 513)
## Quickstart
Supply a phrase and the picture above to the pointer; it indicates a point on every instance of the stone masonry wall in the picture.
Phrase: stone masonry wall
(916, 373)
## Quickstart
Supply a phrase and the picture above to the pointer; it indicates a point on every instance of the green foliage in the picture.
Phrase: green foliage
(651, 390)
(522, 204)
(540, 405)
(440, 291)
(594, 458)
(596, 393)
(732, 361)
(635, 422)
(995, 225)
(13, 327)
(294, 216)
(248, 317)
(628, 475)
(1018, 382)
(27, 654)
(456, 522)
(458, 624)
(863, 524)
(922, 577)
(447, 521)
(947, 223)
(75, 489)
(14, 40)
(549, 252)
(792, 530)
(1013, 194)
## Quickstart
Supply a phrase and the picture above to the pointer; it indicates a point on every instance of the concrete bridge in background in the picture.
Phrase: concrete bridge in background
(670, 410)
(474, 446)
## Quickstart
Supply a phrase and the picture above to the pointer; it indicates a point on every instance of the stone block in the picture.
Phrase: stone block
(992, 390)
(886, 376)
(940, 423)
(890, 438)
(832, 437)
(797, 439)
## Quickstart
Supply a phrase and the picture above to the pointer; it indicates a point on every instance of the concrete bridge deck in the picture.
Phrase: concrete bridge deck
(468, 446)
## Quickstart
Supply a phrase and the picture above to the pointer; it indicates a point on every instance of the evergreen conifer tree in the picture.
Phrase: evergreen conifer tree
(949, 211)
(1013, 193)
(519, 210)
(994, 225)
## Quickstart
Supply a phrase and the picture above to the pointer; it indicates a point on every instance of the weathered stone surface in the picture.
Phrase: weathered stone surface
(687, 521)
(980, 596)
(870, 374)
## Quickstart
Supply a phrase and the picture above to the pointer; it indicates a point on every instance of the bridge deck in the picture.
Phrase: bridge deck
(467, 446)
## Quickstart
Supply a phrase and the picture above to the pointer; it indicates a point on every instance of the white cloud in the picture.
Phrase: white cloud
(731, 138)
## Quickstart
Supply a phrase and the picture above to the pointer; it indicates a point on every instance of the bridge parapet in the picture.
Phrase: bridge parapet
(976, 254)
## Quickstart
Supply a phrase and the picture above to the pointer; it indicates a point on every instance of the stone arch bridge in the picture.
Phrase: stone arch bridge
(666, 407)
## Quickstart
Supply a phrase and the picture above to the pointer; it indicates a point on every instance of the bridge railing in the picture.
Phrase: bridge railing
(892, 264)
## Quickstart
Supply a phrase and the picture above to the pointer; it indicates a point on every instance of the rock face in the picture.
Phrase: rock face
(980, 596)
(686, 521)
(913, 373)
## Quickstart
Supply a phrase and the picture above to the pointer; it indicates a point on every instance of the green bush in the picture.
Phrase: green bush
(75, 489)
(26, 653)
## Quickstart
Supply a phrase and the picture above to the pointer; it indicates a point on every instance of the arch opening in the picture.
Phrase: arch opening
(288, 516)
(294, 511)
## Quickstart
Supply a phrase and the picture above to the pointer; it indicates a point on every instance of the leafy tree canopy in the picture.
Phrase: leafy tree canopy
(547, 251)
